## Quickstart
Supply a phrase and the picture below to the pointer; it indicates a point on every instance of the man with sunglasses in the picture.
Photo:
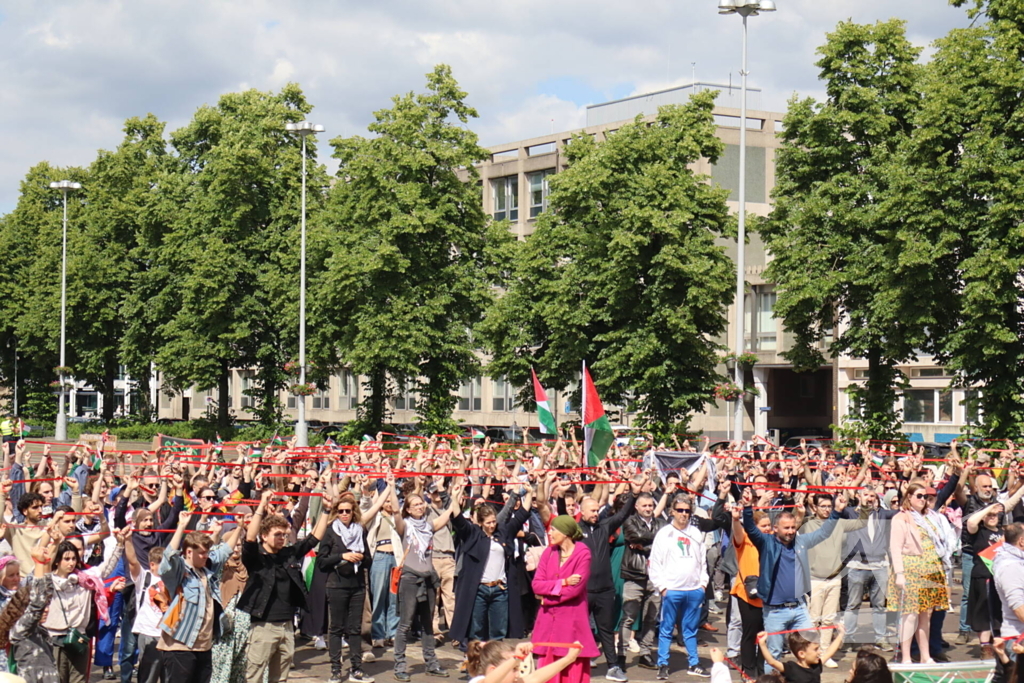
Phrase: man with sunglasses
(679, 572)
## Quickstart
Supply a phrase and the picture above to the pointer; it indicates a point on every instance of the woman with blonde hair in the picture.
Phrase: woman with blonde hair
(917, 579)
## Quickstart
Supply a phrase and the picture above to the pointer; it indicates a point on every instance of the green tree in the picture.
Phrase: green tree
(408, 257)
(227, 270)
(844, 264)
(963, 190)
(624, 271)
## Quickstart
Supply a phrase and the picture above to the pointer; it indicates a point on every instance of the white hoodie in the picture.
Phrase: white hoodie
(678, 559)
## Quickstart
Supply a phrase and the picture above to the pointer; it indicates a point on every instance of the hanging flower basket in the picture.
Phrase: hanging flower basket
(746, 360)
(57, 385)
(303, 389)
(728, 391)
(292, 367)
(63, 370)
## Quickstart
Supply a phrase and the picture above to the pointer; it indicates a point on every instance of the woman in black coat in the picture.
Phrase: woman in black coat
(345, 557)
(483, 608)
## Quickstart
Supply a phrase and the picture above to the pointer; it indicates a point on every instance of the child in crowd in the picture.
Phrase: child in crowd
(807, 667)
(498, 661)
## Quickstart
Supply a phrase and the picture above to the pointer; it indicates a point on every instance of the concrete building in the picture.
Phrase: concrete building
(515, 185)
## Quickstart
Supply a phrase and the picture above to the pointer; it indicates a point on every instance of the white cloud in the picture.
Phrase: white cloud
(76, 71)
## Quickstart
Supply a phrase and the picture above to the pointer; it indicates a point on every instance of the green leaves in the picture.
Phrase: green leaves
(624, 272)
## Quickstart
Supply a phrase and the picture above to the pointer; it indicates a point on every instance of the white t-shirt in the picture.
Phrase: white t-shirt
(148, 616)
(494, 570)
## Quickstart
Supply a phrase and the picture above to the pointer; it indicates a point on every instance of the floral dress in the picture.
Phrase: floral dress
(925, 588)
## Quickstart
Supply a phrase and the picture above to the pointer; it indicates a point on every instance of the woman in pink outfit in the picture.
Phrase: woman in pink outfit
(561, 584)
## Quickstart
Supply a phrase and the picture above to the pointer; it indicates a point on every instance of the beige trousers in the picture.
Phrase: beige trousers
(825, 606)
(444, 565)
(271, 645)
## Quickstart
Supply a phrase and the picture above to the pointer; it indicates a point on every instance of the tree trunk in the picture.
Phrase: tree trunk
(223, 397)
(110, 368)
(376, 403)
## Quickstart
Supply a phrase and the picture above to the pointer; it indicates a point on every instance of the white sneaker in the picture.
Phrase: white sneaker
(633, 645)
(369, 657)
(830, 664)
(319, 644)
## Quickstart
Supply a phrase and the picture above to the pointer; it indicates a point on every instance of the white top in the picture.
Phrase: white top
(494, 570)
(678, 559)
(148, 615)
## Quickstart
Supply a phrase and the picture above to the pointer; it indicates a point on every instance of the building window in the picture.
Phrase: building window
(928, 405)
(503, 396)
(470, 395)
(506, 198)
(972, 408)
(322, 398)
(405, 397)
(539, 192)
(760, 327)
(247, 385)
(349, 390)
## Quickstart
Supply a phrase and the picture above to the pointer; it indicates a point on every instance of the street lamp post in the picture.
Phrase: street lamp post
(64, 186)
(744, 8)
(302, 129)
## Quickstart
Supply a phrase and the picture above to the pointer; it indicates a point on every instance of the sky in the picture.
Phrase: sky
(72, 71)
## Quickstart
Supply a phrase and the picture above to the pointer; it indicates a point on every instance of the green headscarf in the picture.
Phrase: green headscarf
(568, 526)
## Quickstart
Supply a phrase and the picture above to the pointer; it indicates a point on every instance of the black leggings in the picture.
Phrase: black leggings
(346, 610)
(753, 623)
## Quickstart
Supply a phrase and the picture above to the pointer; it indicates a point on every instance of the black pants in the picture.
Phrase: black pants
(752, 617)
(602, 609)
(346, 619)
(187, 667)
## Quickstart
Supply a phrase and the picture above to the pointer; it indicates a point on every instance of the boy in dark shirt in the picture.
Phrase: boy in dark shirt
(807, 667)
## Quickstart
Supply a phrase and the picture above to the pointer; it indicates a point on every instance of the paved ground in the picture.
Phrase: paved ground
(312, 665)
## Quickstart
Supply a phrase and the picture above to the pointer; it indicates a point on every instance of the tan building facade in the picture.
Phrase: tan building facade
(515, 187)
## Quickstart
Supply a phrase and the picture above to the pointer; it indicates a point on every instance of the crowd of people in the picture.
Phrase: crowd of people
(198, 564)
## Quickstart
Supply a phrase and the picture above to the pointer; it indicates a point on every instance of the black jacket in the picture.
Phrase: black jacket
(261, 566)
(475, 549)
(598, 539)
(638, 537)
(340, 572)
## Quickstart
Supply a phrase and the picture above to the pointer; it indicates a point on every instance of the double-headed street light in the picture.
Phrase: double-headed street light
(744, 8)
(302, 129)
(64, 186)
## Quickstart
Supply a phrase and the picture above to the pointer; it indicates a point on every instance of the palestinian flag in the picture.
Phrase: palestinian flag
(332, 446)
(308, 567)
(218, 447)
(277, 440)
(597, 431)
(477, 434)
(988, 555)
(544, 415)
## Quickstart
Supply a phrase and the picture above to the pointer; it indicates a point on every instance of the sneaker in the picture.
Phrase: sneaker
(714, 609)
(633, 646)
(663, 673)
(357, 676)
(616, 673)
(940, 657)
(402, 676)
(369, 657)
(647, 662)
(698, 670)
(963, 638)
(719, 595)
(377, 645)
(884, 646)
(831, 664)
(108, 673)
(335, 677)
(436, 670)
(319, 644)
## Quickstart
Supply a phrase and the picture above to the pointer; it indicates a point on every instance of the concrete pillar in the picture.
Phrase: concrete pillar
(761, 401)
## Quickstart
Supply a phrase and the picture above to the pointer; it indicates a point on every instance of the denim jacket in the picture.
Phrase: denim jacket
(770, 549)
(184, 585)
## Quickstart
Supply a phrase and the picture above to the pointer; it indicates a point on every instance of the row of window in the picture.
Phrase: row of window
(936, 406)
(506, 195)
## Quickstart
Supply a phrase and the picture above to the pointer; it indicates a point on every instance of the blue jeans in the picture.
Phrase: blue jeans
(966, 566)
(680, 608)
(877, 580)
(490, 613)
(104, 654)
(783, 619)
(383, 603)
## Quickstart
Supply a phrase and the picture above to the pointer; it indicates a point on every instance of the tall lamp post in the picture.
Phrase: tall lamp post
(744, 8)
(302, 129)
(64, 186)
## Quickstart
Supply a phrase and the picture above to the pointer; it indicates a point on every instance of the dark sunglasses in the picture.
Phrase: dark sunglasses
(686, 510)
(920, 496)
(344, 511)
